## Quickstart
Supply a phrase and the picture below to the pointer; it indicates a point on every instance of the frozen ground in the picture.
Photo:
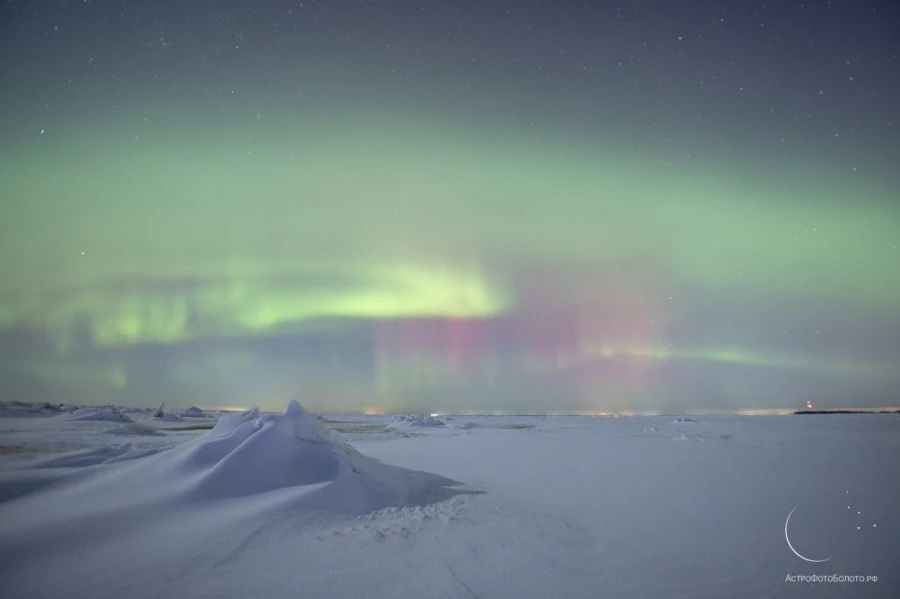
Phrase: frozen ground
(290, 505)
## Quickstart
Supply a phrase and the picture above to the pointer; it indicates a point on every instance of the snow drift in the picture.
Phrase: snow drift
(193, 412)
(249, 453)
(98, 414)
(130, 514)
(245, 455)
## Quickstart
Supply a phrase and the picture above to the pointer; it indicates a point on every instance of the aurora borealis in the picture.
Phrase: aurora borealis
(461, 206)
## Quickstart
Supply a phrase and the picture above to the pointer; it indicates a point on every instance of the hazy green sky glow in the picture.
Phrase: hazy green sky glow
(493, 252)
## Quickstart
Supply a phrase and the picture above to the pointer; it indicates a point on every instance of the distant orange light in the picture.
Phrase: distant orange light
(809, 405)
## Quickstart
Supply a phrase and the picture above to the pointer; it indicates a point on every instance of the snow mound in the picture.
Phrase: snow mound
(251, 453)
(411, 420)
(99, 415)
(683, 419)
(468, 424)
(251, 468)
(169, 417)
(193, 412)
(134, 428)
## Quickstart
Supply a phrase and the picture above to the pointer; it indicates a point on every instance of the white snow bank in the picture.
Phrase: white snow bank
(468, 424)
(193, 412)
(135, 428)
(411, 420)
(99, 414)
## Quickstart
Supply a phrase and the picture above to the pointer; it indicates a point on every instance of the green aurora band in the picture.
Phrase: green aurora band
(174, 235)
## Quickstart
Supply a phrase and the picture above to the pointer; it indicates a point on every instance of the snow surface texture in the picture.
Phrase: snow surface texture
(274, 505)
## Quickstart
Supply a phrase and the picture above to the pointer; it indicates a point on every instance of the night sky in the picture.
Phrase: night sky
(496, 206)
